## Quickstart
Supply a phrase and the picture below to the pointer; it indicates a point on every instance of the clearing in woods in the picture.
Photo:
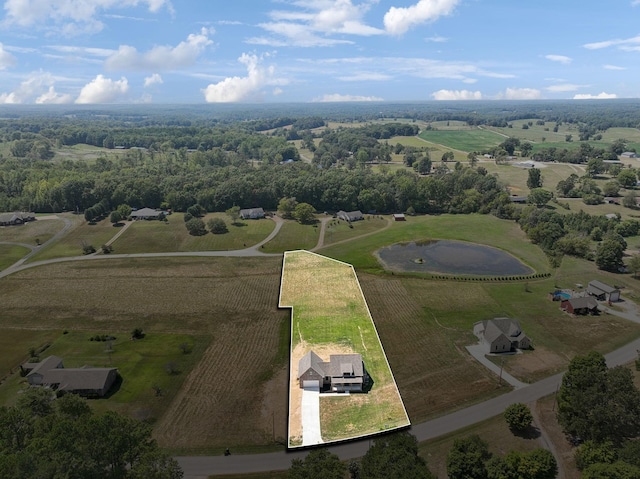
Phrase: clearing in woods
(330, 316)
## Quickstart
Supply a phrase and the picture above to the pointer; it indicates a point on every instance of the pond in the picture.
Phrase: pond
(450, 257)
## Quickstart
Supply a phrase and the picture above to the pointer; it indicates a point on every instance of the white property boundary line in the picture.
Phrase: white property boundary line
(384, 354)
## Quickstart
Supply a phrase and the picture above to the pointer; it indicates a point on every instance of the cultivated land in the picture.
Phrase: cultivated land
(330, 313)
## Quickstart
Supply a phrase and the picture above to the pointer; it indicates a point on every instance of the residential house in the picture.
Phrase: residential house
(629, 154)
(342, 373)
(582, 306)
(602, 291)
(501, 335)
(350, 216)
(251, 213)
(85, 381)
(518, 199)
(399, 217)
(146, 214)
(13, 219)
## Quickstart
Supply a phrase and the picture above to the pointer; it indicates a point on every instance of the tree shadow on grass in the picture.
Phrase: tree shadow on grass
(531, 433)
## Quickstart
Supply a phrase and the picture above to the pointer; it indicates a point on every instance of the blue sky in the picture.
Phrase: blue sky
(209, 51)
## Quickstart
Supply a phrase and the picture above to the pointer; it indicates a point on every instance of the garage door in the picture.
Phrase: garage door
(313, 385)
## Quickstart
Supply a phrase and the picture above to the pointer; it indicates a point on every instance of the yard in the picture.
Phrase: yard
(28, 233)
(292, 236)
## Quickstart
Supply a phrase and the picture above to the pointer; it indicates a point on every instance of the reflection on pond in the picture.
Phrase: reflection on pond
(451, 257)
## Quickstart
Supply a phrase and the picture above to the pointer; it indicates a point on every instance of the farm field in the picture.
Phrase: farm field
(292, 236)
(464, 140)
(160, 236)
(329, 316)
(42, 230)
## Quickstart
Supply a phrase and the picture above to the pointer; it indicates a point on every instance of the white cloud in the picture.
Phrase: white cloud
(6, 59)
(456, 95)
(635, 2)
(160, 57)
(519, 94)
(72, 16)
(33, 87)
(399, 20)
(559, 58)
(313, 25)
(336, 97)
(103, 90)
(436, 39)
(365, 76)
(235, 89)
(152, 80)
(613, 67)
(562, 87)
(599, 96)
(623, 44)
(52, 97)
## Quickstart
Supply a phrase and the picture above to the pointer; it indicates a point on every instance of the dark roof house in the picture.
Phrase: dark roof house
(342, 373)
(85, 381)
(251, 213)
(350, 216)
(602, 291)
(582, 305)
(16, 218)
(501, 335)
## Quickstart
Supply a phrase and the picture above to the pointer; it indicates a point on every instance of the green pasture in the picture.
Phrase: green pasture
(338, 230)
(328, 308)
(9, 254)
(292, 236)
(172, 235)
(29, 232)
(463, 140)
(142, 365)
(16, 343)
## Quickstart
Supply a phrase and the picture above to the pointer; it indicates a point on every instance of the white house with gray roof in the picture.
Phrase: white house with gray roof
(342, 373)
(501, 335)
(251, 213)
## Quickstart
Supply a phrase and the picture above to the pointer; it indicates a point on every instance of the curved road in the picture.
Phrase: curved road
(200, 467)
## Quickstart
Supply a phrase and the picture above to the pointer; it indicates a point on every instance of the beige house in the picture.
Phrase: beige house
(501, 335)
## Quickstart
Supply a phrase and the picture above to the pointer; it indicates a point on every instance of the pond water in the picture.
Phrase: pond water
(450, 257)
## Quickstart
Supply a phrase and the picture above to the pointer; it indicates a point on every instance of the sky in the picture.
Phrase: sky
(278, 51)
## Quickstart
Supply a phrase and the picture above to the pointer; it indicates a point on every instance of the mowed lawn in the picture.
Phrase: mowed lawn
(15, 345)
(329, 310)
(339, 230)
(28, 233)
(465, 140)
(9, 254)
(293, 236)
(172, 235)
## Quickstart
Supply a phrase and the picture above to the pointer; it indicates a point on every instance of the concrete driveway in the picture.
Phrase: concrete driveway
(478, 352)
(310, 413)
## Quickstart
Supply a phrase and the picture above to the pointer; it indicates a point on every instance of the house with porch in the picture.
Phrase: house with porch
(501, 335)
(350, 216)
(342, 373)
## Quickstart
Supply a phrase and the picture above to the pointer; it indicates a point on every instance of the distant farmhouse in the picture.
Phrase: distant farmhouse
(350, 216)
(343, 373)
(629, 154)
(14, 219)
(501, 335)
(602, 291)
(252, 213)
(85, 381)
(146, 214)
(399, 217)
(582, 306)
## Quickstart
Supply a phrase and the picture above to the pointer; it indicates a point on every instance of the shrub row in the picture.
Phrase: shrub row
(492, 278)
(102, 337)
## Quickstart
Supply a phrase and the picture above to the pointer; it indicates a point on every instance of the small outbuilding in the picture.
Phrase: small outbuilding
(252, 213)
(580, 306)
(629, 154)
(399, 217)
(602, 291)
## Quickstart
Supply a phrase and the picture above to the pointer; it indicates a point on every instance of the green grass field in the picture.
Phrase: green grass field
(158, 236)
(292, 236)
(339, 230)
(329, 311)
(9, 254)
(42, 230)
(16, 343)
(463, 140)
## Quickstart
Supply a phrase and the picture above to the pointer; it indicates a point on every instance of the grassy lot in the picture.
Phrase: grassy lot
(81, 232)
(464, 140)
(292, 236)
(142, 365)
(42, 230)
(338, 230)
(330, 312)
(9, 254)
(15, 345)
(158, 236)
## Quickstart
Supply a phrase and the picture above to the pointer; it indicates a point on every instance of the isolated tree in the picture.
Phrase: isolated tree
(629, 200)
(518, 417)
(195, 226)
(526, 148)
(304, 213)
(467, 458)
(423, 165)
(614, 170)
(611, 188)
(124, 210)
(394, 455)
(286, 206)
(539, 197)
(473, 159)
(217, 226)
(609, 255)
(595, 166)
(319, 464)
(234, 214)
(627, 178)
(115, 217)
(535, 179)
(448, 156)
(510, 145)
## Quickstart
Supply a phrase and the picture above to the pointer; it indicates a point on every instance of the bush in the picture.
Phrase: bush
(217, 226)
(195, 226)
(518, 417)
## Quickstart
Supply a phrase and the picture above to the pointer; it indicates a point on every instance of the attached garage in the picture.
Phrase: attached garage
(311, 384)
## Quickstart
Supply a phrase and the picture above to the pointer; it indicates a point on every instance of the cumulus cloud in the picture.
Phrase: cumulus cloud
(599, 96)
(160, 57)
(152, 80)
(399, 20)
(456, 95)
(6, 59)
(336, 97)
(235, 89)
(519, 94)
(51, 97)
(103, 90)
(559, 58)
(71, 16)
(314, 23)
(33, 87)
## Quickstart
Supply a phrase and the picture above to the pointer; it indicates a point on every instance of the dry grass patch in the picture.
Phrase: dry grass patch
(42, 230)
